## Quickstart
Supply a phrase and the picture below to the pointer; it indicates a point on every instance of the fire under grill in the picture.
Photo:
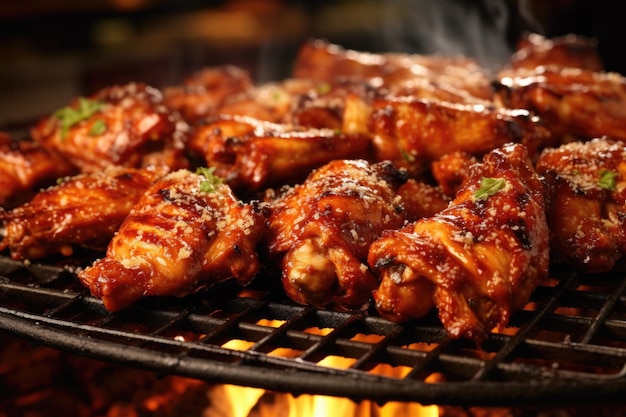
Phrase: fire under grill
(568, 346)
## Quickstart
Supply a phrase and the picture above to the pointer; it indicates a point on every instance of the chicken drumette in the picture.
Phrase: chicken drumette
(320, 231)
(587, 202)
(478, 260)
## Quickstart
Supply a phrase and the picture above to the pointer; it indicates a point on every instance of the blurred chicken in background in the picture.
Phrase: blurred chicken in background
(53, 51)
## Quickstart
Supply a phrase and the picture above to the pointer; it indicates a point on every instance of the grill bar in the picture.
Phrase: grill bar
(520, 336)
(608, 306)
(568, 346)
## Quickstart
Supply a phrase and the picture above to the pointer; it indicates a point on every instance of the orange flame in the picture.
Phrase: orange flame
(236, 401)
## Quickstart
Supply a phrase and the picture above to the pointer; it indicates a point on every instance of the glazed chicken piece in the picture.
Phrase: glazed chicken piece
(421, 199)
(412, 133)
(24, 168)
(117, 126)
(201, 95)
(587, 202)
(571, 50)
(319, 231)
(452, 170)
(478, 260)
(573, 103)
(342, 105)
(251, 155)
(270, 102)
(322, 61)
(187, 231)
(82, 211)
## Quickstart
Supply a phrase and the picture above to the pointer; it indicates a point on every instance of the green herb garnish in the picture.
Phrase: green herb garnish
(407, 157)
(607, 180)
(97, 128)
(211, 181)
(488, 187)
(69, 116)
(323, 88)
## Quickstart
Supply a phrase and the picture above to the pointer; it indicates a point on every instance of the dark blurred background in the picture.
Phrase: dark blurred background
(53, 50)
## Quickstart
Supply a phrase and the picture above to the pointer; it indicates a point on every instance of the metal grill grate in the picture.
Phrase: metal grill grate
(568, 346)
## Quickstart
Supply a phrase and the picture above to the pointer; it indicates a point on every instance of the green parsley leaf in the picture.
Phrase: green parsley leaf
(211, 181)
(97, 128)
(407, 157)
(488, 187)
(323, 88)
(69, 116)
(607, 180)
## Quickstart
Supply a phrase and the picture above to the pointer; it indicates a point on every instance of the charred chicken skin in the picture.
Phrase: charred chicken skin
(478, 260)
(320, 231)
(251, 155)
(587, 202)
(573, 103)
(82, 211)
(117, 126)
(24, 168)
(187, 231)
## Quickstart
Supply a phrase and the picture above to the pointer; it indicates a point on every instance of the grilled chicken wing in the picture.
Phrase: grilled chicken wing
(477, 260)
(342, 105)
(24, 168)
(411, 132)
(571, 102)
(320, 231)
(201, 95)
(571, 50)
(250, 154)
(587, 202)
(84, 210)
(186, 231)
(270, 102)
(118, 126)
(321, 61)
